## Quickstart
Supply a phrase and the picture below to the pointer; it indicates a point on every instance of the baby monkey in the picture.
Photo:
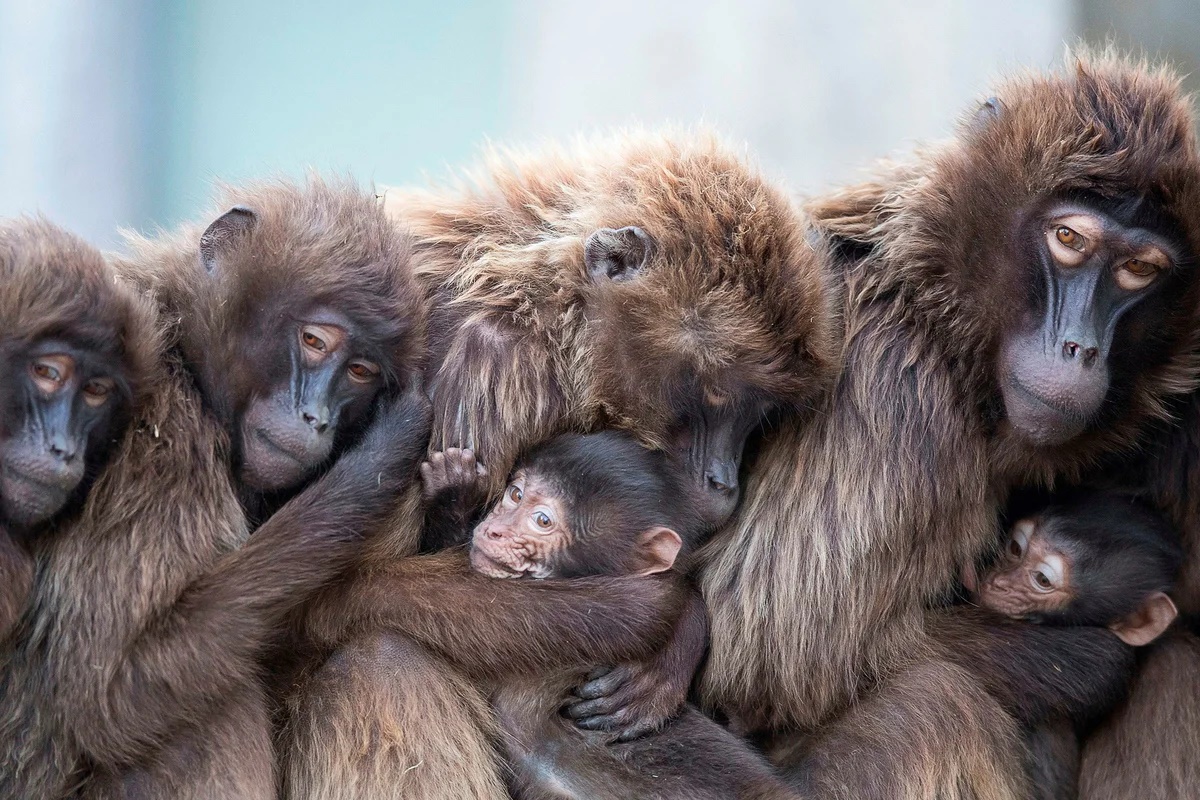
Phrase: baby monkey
(1092, 560)
(586, 506)
(1095, 559)
(577, 506)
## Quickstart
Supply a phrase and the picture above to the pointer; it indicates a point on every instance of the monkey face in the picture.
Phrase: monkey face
(290, 430)
(1032, 578)
(58, 410)
(523, 533)
(1092, 269)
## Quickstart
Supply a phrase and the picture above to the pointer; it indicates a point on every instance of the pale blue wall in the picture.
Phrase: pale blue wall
(383, 90)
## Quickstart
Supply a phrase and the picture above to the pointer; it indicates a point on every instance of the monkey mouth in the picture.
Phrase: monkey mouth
(484, 564)
(275, 447)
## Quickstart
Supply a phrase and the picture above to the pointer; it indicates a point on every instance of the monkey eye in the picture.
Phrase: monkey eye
(542, 520)
(311, 340)
(1069, 237)
(515, 494)
(50, 372)
(1041, 581)
(363, 371)
(1014, 547)
(97, 391)
(1136, 274)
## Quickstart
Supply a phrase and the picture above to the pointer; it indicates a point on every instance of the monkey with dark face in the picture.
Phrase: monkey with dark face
(72, 356)
(1021, 302)
(139, 673)
(653, 283)
(1095, 561)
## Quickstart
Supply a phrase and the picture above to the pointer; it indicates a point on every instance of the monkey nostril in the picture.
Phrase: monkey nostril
(1089, 356)
(314, 422)
(718, 483)
(1070, 349)
(492, 533)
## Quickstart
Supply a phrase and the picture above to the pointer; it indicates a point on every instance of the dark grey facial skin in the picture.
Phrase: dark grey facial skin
(289, 432)
(51, 427)
(1055, 375)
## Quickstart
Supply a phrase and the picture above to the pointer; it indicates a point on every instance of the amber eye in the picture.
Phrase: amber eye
(515, 494)
(542, 519)
(1139, 268)
(1068, 237)
(1041, 581)
(312, 340)
(46, 372)
(363, 371)
(96, 392)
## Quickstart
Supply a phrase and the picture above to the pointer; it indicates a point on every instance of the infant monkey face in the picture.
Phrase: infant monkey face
(523, 533)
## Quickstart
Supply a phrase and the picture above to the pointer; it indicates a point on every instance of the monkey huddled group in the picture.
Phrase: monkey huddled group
(618, 472)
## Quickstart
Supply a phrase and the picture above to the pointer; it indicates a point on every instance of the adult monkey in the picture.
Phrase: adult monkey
(1019, 303)
(296, 324)
(74, 350)
(651, 282)
(1148, 747)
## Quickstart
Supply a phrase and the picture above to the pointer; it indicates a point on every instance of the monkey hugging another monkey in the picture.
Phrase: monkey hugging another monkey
(615, 472)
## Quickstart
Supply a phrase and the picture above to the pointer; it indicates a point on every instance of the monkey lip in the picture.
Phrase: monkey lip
(1041, 419)
(275, 447)
(484, 564)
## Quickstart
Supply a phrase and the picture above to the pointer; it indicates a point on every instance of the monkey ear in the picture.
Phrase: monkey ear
(1147, 622)
(617, 254)
(223, 232)
(989, 110)
(657, 549)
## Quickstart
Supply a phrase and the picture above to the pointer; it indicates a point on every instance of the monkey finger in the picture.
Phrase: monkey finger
(639, 729)
(604, 685)
(599, 672)
(604, 722)
(591, 708)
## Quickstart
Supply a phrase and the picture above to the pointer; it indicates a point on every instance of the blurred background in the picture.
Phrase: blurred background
(120, 113)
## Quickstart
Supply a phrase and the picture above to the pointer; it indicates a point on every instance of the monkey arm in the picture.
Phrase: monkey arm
(493, 627)
(16, 581)
(1035, 671)
(634, 699)
(191, 653)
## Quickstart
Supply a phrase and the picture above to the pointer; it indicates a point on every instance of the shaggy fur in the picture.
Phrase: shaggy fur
(1148, 748)
(135, 669)
(852, 523)
(524, 345)
(55, 285)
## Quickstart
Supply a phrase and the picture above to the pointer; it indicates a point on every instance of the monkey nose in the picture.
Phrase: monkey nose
(721, 476)
(63, 447)
(1074, 351)
(318, 420)
(494, 534)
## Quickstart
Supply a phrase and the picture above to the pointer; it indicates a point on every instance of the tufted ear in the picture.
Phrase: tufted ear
(617, 254)
(1147, 622)
(225, 232)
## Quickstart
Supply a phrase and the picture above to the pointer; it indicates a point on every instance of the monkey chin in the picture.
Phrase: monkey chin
(494, 568)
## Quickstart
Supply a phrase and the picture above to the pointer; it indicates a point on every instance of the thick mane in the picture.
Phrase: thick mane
(730, 297)
(1103, 127)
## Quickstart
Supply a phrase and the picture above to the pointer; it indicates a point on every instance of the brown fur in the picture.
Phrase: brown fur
(524, 345)
(1148, 748)
(138, 659)
(364, 715)
(853, 522)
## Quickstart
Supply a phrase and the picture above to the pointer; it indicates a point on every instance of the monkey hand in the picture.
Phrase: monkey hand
(628, 701)
(394, 442)
(454, 470)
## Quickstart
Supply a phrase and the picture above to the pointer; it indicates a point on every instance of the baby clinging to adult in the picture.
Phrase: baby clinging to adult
(589, 506)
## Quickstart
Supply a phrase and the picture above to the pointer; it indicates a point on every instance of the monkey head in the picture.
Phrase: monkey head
(74, 350)
(1097, 559)
(708, 310)
(298, 310)
(582, 506)
(1053, 244)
